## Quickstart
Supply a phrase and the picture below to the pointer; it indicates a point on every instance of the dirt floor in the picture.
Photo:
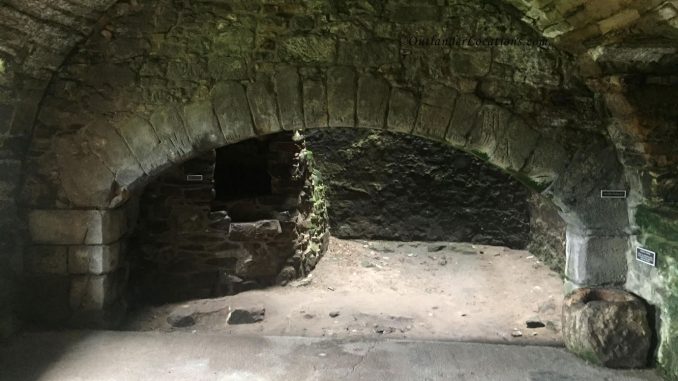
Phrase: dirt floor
(413, 290)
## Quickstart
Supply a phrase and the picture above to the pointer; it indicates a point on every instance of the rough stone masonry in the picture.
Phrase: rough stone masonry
(97, 97)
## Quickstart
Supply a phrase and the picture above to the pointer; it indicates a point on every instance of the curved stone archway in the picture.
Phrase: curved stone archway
(147, 95)
(101, 169)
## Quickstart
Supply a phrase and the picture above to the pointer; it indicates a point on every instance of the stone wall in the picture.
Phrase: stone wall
(547, 233)
(384, 185)
(189, 245)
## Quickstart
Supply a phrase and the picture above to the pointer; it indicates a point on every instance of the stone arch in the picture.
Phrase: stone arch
(92, 148)
(101, 169)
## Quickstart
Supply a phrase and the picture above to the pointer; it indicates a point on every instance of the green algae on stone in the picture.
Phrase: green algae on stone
(309, 49)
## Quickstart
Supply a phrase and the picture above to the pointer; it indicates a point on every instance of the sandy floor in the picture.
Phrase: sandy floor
(414, 290)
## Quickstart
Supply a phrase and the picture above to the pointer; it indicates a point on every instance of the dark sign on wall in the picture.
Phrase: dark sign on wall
(646, 256)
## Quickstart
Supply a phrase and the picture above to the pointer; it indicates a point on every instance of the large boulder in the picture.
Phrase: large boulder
(607, 327)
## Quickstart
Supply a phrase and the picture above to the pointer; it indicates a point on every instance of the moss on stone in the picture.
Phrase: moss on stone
(659, 233)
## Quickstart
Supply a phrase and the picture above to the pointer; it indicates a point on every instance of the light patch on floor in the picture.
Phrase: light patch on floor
(403, 290)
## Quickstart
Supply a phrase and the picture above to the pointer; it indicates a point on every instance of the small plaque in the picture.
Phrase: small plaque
(194, 178)
(609, 193)
(646, 256)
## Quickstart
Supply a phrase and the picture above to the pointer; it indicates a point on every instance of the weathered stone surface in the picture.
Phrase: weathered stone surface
(232, 110)
(463, 119)
(109, 146)
(93, 292)
(490, 126)
(246, 315)
(341, 97)
(289, 91)
(593, 260)
(261, 97)
(93, 259)
(76, 227)
(373, 53)
(252, 231)
(373, 96)
(546, 163)
(315, 104)
(170, 129)
(473, 63)
(202, 126)
(144, 144)
(309, 49)
(402, 111)
(375, 180)
(515, 146)
(577, 190)
(432, 121)
(440, 96)
(547, 233)
(608, 327)
(86, 180)
(234, 41)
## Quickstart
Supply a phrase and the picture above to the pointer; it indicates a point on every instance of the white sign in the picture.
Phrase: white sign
(610, 193)
(194, 178)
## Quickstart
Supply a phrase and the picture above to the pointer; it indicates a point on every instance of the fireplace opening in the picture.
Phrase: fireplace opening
(241, 171)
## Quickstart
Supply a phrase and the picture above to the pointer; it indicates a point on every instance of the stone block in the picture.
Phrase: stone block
(223, 67)
(46, 260)
(577, 189)
(415, 13)
(234, 41)
(76, 227)
(341, 96)
(233, 112)
(93, 259)
(515, 146)
(92, 292)
(432, 121)
(107, 144)
(144, 143)
(619, 20)
(261, 97)
(471, 63)
(288, 90)
(254, 231)
(546, 164)
(315, 104)
(440, 96)
(373, 97)
(490, 126)
(85, 179)
(171, 132)
(463, 119)
(595, 260)
(370, 53)
(202, 126)
(308, 49)
(402, 110)
(607, 327)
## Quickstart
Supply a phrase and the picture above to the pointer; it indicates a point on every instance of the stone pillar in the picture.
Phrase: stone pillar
(73, 267)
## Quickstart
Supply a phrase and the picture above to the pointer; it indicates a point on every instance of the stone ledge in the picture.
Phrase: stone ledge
(76, 227)
(252, 231)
